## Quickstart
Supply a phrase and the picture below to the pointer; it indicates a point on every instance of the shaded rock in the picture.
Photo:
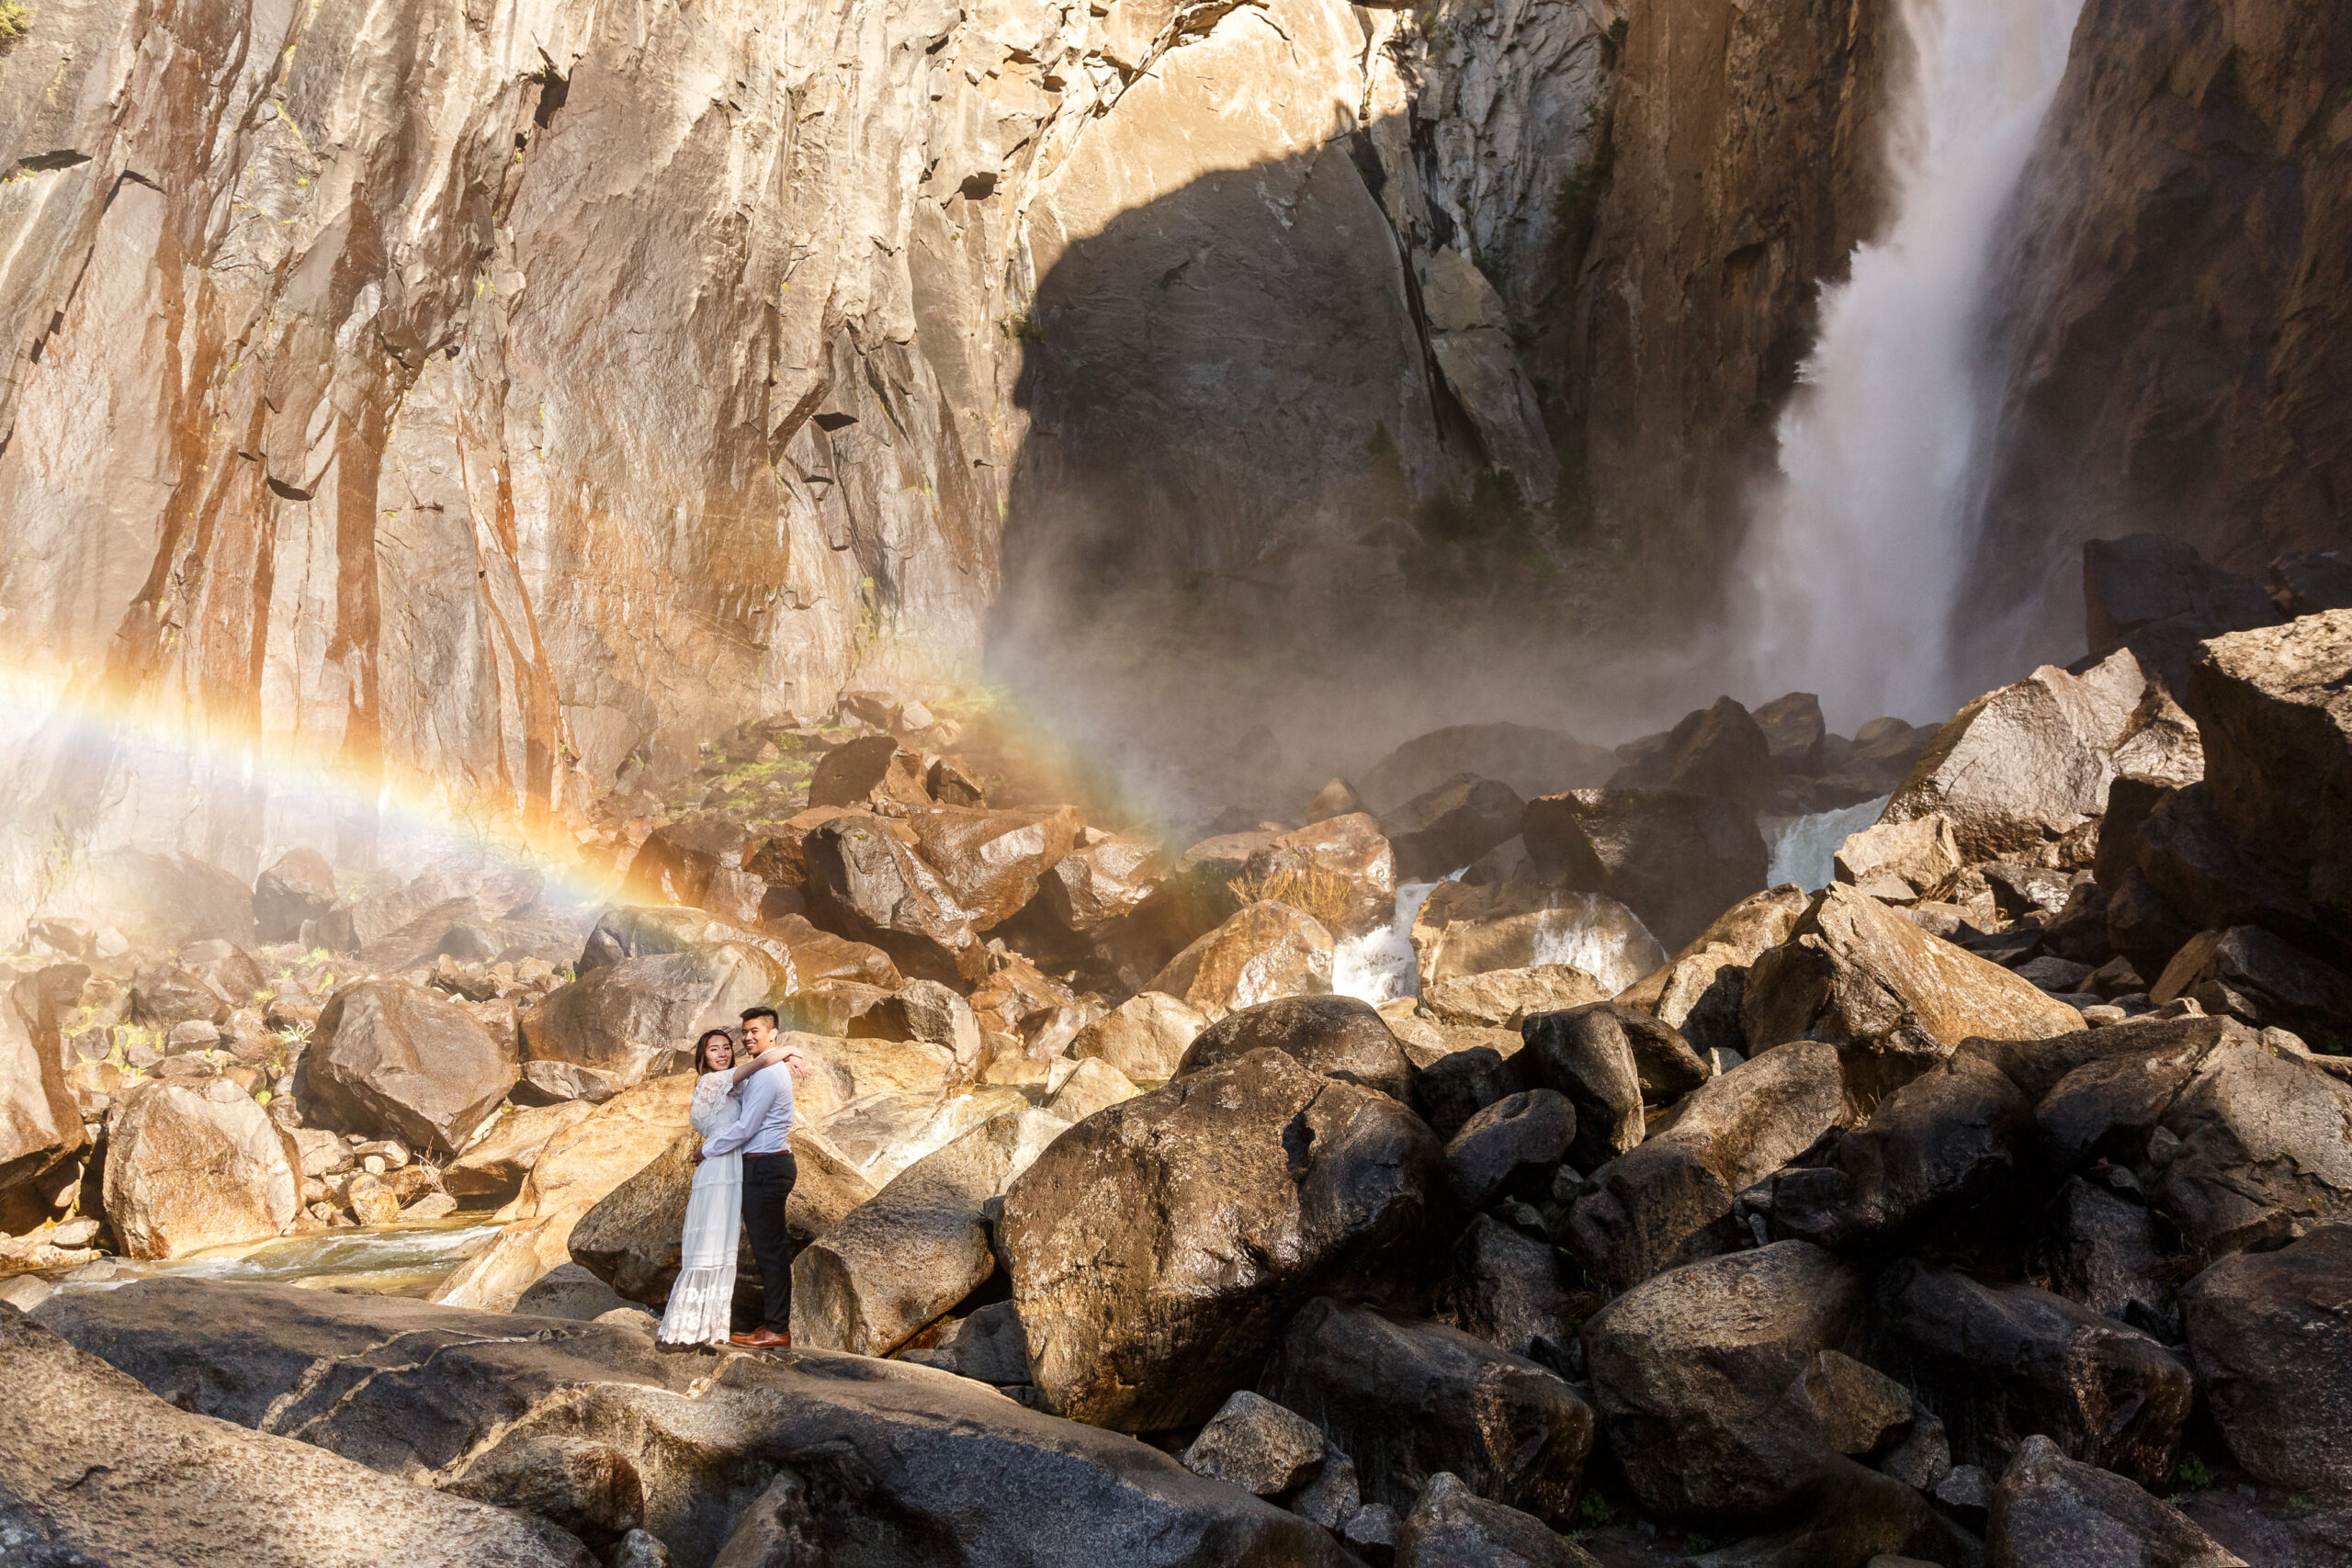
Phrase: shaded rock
(1444, 828)
(866, 882)
(2159, 597)
(1855, 973)
(1332, 1497)
(1944, 1154)
(1669, 1201)
(625, 1019)
(2038, 1067)
(181, 1487)
(1256, 1445)
(917, 1466)
(630, 1237)
(1339, 1037)
(1699, 990)
(1999, 1363)
(2108, 1107)
(1459, 1084)
(868, 771)
(2304, 583)
(1338, 798)
(1506, 1291)
(990, 861)
(2191, 859)
(2258, 978)
(1532, 761)
(186, 1171)
(1902, 862)
(1702, 1378)
(2019, 769)
(298, 886)
(987, 1347)
(2263, 1153)
(1266, 951)
(897, 1262)
(1406, 1401)
(394, 1059)
(1156, 1248)
(1452, 1527)
(1719, 751)
(2105, 1253)
(497, 1164)
(1511, 1147)
(40, 1124)
(1371, 1533)
(1505, 998)
(1677, 860)
(1144, 1037)
(1586, 1054)
(1794, 732)
(570, 1293)
(2269, 1335)
(2050, 1510)
(587, 1488)
(1664, 1067)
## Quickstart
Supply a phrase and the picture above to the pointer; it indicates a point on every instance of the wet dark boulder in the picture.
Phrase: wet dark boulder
(1460, 1084)
(1794, 733)
(1610, 1061)
(1669, 1201)
(2050, 1511)
(1406, 1400)
(1339, 1037)
(1530, 761)
(2108, 1253)
(1947, 1154)
(390, 1059)
(2000, 1363)
(2262, 980)
(1452, 1526)
(1445, 829)
(1676, 859)
(2263, 1153)
(1512, 1147)
(1704, 1379)
(2160, 598)
(2270, 1335)
(922, 1469)
(1156, 1249)
(298, 886)
(868, 770)
(1506, 1291)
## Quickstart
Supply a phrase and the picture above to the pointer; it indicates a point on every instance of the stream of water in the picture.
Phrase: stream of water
(1856, 555)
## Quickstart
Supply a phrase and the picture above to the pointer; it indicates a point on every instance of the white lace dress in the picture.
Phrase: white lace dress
(701, 1302)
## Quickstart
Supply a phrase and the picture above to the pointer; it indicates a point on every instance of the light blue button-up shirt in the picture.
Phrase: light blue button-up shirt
(763, 1125)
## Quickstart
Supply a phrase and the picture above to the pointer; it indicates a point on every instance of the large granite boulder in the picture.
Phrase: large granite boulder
(2270, 1335)
(1611, 1062)
(1452, 1527)
(2262, 1155)
(1157, 1247)
(1339, 1037)
(1474, 928)
(1669, 1200)
(1532, 761)
(1714, 1382)
(1506, 1291)
(1406, 1400)
(1514, 1146)
(298, 886)
(1856, 974)
(580, 1165)
(625, 1019)
(2277, 722)
(1265, 951)
(990, 862)
(189, 1169)
(397, 1059)
(866, 881)
(920, 1468)
(1719, 751)
(2053, 1512)
(496, 1164)
(1340, 869)
(2160, 598)
(1444, 828)
(1699, 990)
(697, 861)
(40, 1124)
(1144, 1037)
(99, 1470)
(1999, 1363)
(2261, 979)
(2018, 770)
(893, 1264)
(1949, 1154)
(1902, 862)
(1677, 860)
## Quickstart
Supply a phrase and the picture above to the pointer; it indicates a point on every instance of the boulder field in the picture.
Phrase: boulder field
(1989, 1206)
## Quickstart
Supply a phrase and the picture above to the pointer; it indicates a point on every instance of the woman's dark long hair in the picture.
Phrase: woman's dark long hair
(701, 1048)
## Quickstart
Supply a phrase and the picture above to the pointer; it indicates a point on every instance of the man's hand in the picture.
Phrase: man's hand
(697, 1153)
(797, 1063)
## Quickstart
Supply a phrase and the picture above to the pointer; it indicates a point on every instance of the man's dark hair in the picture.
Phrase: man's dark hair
(765, 1013)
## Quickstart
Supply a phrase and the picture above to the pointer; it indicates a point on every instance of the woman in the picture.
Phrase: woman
(702, 1302)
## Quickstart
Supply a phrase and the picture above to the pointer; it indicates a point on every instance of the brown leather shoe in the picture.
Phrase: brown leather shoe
(762, 1338)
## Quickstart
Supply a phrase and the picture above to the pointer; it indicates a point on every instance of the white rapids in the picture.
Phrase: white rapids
(1804, 848)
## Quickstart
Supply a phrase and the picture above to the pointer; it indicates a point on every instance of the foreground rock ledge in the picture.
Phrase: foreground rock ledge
(917, 1467)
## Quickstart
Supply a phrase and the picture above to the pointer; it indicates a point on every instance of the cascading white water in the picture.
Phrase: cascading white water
(1378, 965)
(1855, 557)
(1597, 935)
(1804, 850)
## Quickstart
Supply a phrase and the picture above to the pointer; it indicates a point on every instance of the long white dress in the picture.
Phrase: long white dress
(701, 1302)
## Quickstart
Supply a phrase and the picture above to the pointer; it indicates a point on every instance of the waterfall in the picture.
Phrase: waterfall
(1804, 850)
(1856, 553)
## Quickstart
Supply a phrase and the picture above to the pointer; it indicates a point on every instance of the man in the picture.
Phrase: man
(762, 1130)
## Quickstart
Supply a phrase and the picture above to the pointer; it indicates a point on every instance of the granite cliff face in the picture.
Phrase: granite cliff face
(2177, 357)
(496, 393)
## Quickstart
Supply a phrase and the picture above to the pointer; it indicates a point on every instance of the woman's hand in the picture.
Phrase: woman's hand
(767, 1058)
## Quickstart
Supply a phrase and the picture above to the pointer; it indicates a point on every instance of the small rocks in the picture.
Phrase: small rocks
(1256, 1445)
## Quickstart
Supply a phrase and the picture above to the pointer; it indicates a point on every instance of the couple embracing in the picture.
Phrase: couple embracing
(743, 1174)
